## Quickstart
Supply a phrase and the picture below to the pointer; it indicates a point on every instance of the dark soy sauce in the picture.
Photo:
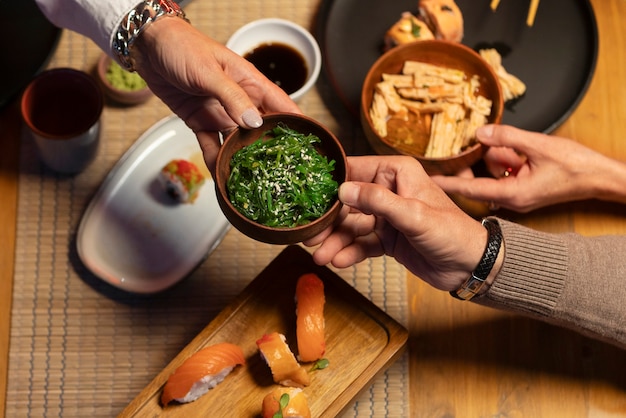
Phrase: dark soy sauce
(280, 63)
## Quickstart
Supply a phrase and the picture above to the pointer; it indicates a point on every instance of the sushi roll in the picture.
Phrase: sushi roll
(310, 324)
(182, 180)
(285, 368)
(444, 19)
(407, 29)
(289, 402)
(201, 372)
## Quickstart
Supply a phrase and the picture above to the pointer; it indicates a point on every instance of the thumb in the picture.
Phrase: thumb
(377, 200)
(509, 137)
(238, 104)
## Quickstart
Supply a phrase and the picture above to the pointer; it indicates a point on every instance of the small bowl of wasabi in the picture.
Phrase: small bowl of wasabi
(120, 85)
(278, 183)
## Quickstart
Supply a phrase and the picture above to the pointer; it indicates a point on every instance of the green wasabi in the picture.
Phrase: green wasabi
(124, 80)
(282, 181)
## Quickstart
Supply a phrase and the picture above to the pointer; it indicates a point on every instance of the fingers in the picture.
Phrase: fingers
(362, 248)
(210, 145)
(483, 189)
(503, 161)
(246, 93)
(378, 200)
(508, 136)
(349, 233)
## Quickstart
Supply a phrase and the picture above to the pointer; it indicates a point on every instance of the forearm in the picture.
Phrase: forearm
(96, 19)
(567, 279)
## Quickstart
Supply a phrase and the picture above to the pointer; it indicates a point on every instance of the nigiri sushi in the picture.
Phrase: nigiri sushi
(182, 180)
(290, 402)
(285, 368)
(310, 323)
(202, 371)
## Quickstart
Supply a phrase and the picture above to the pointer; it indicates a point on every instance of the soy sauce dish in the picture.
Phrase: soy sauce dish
(278, 183)
(283, 51)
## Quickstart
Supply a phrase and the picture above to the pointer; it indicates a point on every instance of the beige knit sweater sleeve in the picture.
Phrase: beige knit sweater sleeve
(566, 279)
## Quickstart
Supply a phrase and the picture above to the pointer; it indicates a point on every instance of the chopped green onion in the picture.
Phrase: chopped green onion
(282, 404)
(320, 364)
(415, 29)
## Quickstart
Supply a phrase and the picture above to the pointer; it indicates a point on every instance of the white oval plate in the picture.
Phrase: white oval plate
(133, 235)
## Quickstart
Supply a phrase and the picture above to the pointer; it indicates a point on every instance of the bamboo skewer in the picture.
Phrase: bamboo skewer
(532, 10)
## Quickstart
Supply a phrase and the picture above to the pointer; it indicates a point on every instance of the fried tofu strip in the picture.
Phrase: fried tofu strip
(388, 91)
(422, 69)
(446, 92)
(512, 87)
(444, 131)
(399, 80)
(445, 97)
(379, 112)
(422, 107)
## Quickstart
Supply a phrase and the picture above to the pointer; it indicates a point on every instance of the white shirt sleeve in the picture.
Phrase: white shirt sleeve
(96, 19)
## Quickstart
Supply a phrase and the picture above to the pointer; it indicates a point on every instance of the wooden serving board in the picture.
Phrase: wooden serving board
(361, 341)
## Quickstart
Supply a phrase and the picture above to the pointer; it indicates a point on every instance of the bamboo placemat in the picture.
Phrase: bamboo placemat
(82, 348)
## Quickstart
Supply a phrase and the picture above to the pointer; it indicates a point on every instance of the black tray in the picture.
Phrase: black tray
(556, 57)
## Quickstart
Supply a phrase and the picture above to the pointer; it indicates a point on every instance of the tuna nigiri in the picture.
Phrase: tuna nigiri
(285, 368)
(290, 402)
(310, 324)
(202, 371)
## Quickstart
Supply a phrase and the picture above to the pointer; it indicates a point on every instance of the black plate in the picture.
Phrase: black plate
(556, 57)
(27, 40)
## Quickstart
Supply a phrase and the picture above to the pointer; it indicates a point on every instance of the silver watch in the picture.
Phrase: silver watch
(135, 22)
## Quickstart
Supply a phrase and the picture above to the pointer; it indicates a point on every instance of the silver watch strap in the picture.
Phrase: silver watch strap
(135, 22)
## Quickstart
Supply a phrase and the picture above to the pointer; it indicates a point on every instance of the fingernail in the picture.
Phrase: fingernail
(251, 118)
(485, 131)
(348, 193)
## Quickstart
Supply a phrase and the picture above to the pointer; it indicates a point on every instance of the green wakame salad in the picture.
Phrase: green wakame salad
(282, 181)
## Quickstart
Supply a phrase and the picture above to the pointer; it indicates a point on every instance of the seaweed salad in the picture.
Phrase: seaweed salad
(281, 180)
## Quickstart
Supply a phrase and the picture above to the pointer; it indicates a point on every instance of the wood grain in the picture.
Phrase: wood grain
(361, 341)
(467, 360)
(10, 123)
(471, 361)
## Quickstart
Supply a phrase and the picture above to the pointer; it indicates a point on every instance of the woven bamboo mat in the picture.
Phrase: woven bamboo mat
(80, 348)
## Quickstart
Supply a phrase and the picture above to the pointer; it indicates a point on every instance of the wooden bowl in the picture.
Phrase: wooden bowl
(442, 53)
(239, 138)
(128, 97)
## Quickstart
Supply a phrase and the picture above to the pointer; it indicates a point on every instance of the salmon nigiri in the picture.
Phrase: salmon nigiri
(202, 371)
(290, 402)
(310, 317)
(285, 368)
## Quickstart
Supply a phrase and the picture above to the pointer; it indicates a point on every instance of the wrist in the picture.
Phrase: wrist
(135, 22)
(487, 268)
(610, 185)
(494, 271)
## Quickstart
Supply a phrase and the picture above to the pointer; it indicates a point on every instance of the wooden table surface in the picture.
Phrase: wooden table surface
(468, 360)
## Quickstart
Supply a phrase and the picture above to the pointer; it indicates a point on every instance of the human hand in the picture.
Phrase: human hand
(393, 207)
(533, 170)
(207, 85)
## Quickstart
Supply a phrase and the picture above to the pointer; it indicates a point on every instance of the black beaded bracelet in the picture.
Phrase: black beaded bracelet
(475, 282)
